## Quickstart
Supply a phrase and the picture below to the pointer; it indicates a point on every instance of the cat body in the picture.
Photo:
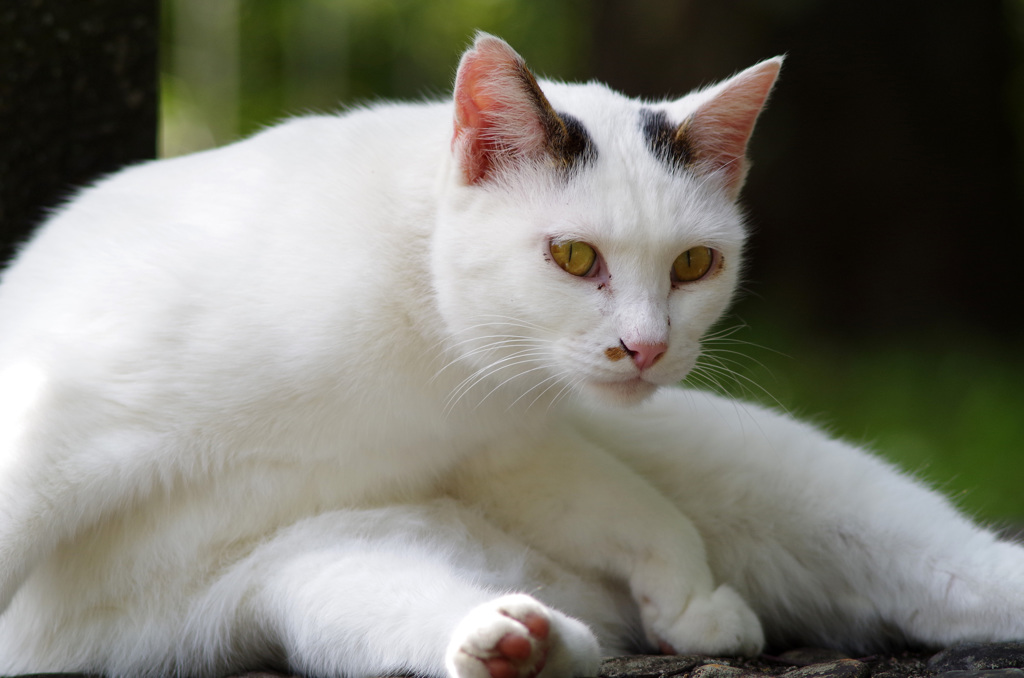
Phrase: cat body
(341, 399)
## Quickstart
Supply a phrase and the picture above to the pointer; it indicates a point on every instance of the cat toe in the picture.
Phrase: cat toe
(505, 638)
(515, 636)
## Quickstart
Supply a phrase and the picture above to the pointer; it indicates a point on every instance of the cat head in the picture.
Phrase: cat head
(585, 240)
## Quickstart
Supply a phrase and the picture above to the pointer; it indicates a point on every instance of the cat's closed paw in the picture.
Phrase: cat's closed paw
(717, 624)
(517, 637)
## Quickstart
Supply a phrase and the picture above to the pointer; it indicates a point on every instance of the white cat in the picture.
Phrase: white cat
(346, 398)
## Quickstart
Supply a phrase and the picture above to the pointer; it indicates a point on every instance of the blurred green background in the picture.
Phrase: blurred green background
(883, 298)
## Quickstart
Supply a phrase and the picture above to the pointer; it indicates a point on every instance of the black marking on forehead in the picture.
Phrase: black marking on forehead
(569, 142)
(666, 141)
(566, 139)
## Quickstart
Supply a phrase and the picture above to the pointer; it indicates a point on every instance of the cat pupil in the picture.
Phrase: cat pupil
(693, 264)
(577, 258)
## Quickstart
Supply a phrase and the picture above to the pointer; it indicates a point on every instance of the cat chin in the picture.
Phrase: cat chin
(623, 393)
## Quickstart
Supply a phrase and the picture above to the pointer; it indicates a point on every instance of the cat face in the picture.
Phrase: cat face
(585, 244)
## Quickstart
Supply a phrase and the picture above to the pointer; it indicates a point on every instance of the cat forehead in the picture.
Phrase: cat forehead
(630, 188)
(617, 124)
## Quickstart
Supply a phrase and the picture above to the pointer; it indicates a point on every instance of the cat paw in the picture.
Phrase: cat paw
(517, 637)
(720, 623)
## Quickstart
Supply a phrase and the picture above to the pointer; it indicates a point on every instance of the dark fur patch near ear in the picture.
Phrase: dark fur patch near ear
(566, 139)
(666, 141)
(570, 144)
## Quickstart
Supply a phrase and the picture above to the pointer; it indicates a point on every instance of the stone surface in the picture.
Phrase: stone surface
(997, 660)
(717, 671)
(803, 663)
(974, 660)
(991, 673)
(840, 668)
(650, 666)
(978, 657)
(806, 656)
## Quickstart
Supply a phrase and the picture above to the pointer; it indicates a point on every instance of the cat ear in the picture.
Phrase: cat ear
(715, 136)
(502, 117)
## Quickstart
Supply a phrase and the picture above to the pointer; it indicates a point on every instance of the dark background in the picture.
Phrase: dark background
(78, 99)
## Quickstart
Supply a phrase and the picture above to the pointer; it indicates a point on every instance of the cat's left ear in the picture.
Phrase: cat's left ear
(502, 117)
(715, 136)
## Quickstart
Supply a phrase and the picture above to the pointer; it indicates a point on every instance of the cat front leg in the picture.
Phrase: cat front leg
(588, 511)
(829, 544)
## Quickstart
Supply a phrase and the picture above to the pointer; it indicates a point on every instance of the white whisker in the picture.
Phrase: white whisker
(512, 342)
(495, 344)
(513, 360)
(517, 322)
(552, 378)
(514, 376)
(567, 390)
(742, 380)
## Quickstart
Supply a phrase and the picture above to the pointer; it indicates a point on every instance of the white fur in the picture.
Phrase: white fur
(310, 401)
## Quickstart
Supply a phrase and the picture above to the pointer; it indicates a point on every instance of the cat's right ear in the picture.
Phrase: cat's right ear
(715, 136)
(501, 115)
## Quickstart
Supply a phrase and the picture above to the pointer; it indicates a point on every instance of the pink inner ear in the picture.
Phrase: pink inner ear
(470, 102)
(720, 129)
(496, 111)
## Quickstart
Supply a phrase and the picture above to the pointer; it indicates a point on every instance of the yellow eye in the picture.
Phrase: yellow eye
(693, 264)
(577, 258)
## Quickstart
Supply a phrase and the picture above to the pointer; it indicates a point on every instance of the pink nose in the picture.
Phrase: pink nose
(645, 355)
